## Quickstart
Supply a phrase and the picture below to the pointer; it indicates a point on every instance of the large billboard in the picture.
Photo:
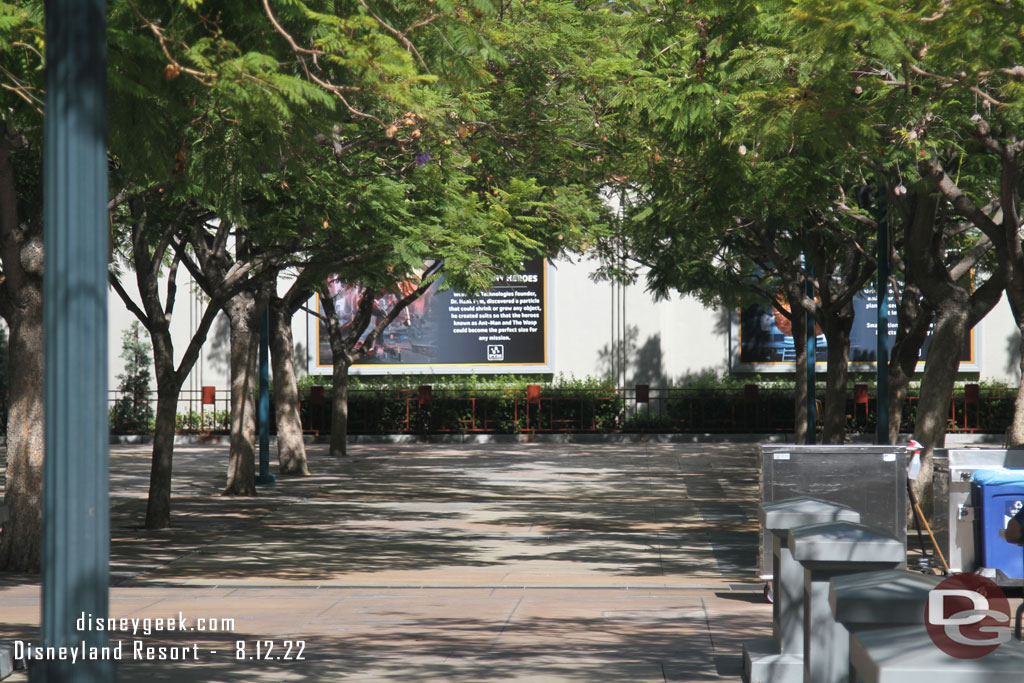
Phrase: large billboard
(762, 339)
(505, 329)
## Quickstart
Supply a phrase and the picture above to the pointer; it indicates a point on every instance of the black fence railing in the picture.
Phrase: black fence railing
(748, 409)
(435, 410)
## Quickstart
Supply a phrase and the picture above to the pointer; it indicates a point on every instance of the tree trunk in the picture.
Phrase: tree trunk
(1015, 435)
(243, 313)
(837, 332)
(21, 305)
(951, 327)
(914, 320)
(339, 407)
(291, 449)
(801, 422)
(158, 505)
(21, 540)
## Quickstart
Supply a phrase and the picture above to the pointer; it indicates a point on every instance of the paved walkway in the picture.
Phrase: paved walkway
(500, 562)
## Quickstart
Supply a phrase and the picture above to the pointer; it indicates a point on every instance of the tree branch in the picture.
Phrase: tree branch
(964, 206)
(195, 345)
(172, 285)
(129, 303)
(983, 132)
(158, 32)
(400, 36)
(952, 81)
(970, 259)
(332, 88)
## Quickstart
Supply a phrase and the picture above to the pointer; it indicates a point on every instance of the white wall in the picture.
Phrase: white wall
(663, 341)
(1000, 346)
(592, 322)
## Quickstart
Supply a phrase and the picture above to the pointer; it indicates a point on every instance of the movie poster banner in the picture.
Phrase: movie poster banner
(762, 338)
(503, 330)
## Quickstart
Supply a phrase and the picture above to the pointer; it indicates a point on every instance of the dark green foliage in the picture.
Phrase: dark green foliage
(203, 421)
(504, 411)
(132, 411)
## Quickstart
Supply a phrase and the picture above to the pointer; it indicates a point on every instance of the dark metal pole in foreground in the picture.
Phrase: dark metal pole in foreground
(265, 477)
(812, 351)
(882, 331)
(76, 522)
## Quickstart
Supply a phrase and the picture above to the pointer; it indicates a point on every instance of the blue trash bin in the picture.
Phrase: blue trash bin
(997, 495)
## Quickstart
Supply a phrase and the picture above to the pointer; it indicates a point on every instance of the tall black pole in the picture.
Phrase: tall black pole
(264, 476)
(812, 352)
(76, 523)
(882, 331)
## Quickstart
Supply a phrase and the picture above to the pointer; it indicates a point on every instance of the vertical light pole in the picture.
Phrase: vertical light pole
(76, 522)
(882, 331)
(812, 351)
(265, 477)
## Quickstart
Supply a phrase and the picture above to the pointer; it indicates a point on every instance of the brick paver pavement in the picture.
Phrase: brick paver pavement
(440, 562)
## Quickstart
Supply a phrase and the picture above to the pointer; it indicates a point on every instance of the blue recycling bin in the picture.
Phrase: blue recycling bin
(997, 495)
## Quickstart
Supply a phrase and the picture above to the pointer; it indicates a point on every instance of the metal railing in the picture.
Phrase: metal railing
(749, 409)
(199, 410)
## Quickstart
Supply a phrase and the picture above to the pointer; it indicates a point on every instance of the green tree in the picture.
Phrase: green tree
(132, 410)
(921, 88)
(248, 111)
(729, 178)
(782, 112)
(478, 173)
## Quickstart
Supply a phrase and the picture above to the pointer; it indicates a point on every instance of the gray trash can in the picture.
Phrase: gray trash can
(780, 658)
(827, 551)
(906, 654)
(880, 599)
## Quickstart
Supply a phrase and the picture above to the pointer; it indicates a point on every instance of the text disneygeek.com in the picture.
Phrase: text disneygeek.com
(139, 650)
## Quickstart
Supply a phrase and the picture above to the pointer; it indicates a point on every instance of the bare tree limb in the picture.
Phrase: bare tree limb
(172, 285)
(129, 303)
(970, 259)
(963, 205)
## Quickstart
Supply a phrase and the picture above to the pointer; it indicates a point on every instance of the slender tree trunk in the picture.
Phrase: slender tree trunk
(158, 505)
(914, 320)
(801, 422)
(838, 335)
(1015, 297)
(1015, 435)
(242, 311)
(951, 328)
(339, 407)
(21, 540)
(168, 387)
(940, 375)
(291, 449)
